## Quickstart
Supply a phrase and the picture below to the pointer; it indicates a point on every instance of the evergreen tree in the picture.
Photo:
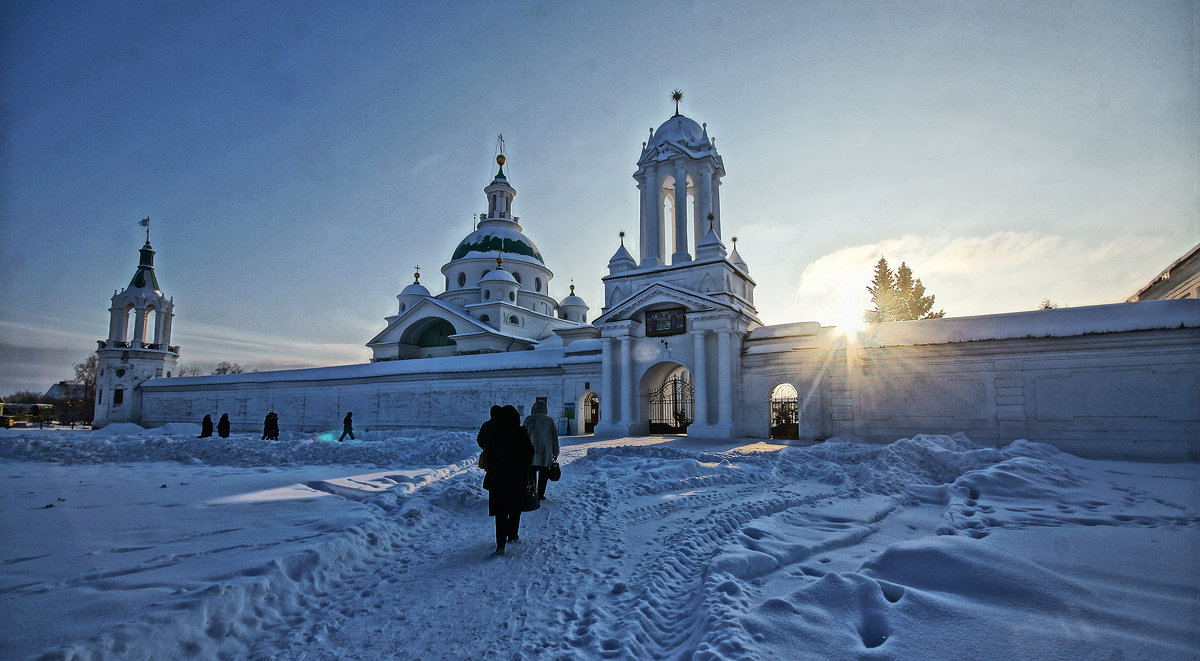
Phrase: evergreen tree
(898, 296)
(883, 293)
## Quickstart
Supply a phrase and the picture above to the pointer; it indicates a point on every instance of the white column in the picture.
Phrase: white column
(608, 389)
(628, 387)
(139, 326)
(654, 224)
(681, 243)
(115, 331)
(700, 377)
(643, 234)
(725, 377)
(699, 222)
(704, 197)
(167, 323)
(158, 326)
(716, 202)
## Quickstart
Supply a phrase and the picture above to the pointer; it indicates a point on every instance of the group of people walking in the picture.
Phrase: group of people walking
(517, 461)
(206, 426)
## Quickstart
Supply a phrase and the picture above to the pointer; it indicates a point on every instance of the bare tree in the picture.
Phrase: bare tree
(189, 370)
(226, 367)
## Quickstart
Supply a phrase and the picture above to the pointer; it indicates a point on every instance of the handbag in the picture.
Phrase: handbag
(530, 502)
(555, 472)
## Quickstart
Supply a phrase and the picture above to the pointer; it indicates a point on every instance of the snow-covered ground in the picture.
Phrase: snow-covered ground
(152, 544)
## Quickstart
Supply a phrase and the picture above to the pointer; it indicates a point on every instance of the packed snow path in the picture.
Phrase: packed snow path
(664, 548)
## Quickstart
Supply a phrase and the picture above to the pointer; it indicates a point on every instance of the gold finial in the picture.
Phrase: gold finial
(499, 258)
(622, 235)
(711, 217)
(677, 96)
(417, 275)
(572, 287)
(735, 243)
(500, 159)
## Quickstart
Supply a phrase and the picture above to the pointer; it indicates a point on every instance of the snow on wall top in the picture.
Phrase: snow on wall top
(1064, 322)
(537, 359)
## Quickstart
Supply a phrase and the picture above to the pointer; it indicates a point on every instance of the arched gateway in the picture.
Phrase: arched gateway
(670, 399)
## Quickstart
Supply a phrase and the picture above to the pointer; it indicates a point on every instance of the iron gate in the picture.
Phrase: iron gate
(591, 412)
(672, 406)
(785, 417)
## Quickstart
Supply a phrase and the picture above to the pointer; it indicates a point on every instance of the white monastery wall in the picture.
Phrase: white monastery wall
(1096, 393)
(453, 392)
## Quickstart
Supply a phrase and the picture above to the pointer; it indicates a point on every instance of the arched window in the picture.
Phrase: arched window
(537, 284)
(487, 294)
(484, 318)
(436, 334)
(513, 320)
(462, 279)
(402, 306)
(512, 295)
(517, 277)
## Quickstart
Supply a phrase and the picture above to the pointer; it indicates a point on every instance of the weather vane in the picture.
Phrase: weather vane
(677, 96)
(145, 222)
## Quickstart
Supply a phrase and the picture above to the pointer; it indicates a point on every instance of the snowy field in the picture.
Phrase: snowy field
(152, 544)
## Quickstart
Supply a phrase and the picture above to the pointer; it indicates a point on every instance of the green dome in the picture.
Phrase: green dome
(487, 240)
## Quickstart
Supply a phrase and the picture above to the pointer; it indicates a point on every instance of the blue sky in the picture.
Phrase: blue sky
(298, 159)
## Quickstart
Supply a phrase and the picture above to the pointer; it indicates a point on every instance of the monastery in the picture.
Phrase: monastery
(678, 348)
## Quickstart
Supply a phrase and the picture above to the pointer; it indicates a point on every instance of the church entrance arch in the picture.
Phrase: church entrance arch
(785, 412)
(669, 398)
(589, 412)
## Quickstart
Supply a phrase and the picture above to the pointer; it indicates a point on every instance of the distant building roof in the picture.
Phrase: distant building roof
(1179, 280)
(64, 390)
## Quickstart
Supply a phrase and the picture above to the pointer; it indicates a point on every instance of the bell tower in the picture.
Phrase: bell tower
(138, 347)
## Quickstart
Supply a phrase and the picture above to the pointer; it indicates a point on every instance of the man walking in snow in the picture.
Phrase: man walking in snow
(347, 427)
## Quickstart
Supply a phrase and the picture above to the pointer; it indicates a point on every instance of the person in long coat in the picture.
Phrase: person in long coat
(543, 433)
(266, 427)
(274, 435)
(482, 437)
(223, 426)
(206, 426)
(509, 452)
(347, 427)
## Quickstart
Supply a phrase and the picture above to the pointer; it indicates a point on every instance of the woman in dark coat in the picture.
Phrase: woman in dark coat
(223, 426)
(206, 426)
(509, 453)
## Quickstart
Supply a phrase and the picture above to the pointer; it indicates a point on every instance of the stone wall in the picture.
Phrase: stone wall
(1112, 394)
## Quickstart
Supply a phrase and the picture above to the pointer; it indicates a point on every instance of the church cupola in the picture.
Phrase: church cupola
(573, 308)
(413, 293)
(500, 194)
(498, 285)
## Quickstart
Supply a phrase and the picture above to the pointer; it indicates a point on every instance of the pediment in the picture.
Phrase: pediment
(656, 295)
(421, 312)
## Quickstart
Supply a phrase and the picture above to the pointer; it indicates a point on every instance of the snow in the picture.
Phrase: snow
(153, 544)
(1062, 322)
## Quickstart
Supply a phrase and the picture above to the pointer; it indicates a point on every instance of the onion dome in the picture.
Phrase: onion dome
(509, 240)
(737, 260)
(498, 285)
(573, 308)
(621, 260)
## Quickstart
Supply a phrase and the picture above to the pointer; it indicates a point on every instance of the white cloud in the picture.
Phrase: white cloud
(1001, 272)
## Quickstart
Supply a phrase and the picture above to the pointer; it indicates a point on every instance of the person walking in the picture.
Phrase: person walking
(223, 426)
(543, 433)
(274, 430)
(347, 427)
(267, 427)
(508, 450)
(206, 426)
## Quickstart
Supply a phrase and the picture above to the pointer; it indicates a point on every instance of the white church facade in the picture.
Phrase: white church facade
(678, 348)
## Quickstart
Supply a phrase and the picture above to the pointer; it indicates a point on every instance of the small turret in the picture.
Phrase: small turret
(414, 293)
(573, 308)
(621, 260)
(498, 285)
